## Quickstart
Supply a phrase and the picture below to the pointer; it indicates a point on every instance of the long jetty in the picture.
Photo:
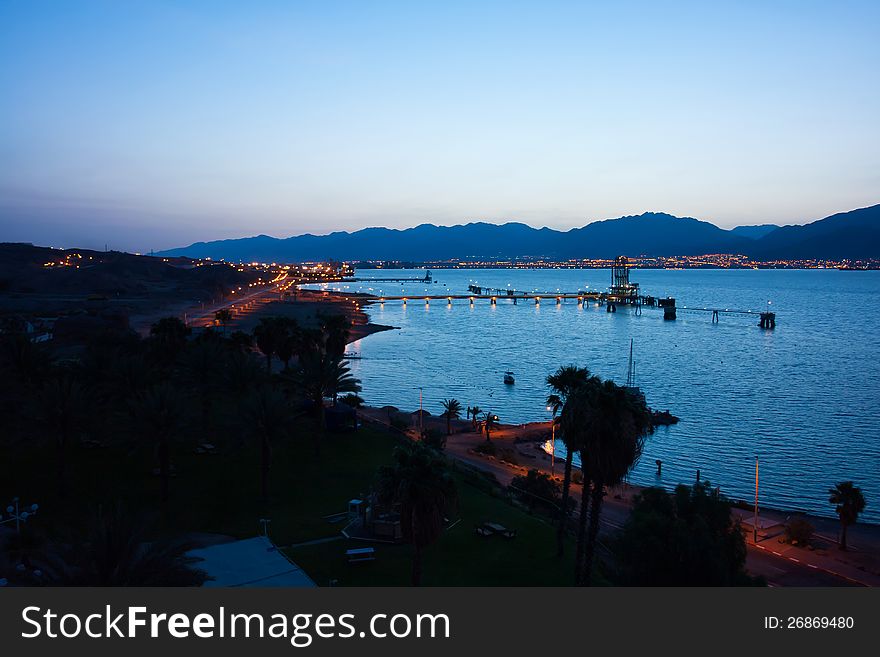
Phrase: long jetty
(609, 300)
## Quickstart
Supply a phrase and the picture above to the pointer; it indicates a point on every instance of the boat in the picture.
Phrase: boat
(630, 385)
(508, 378)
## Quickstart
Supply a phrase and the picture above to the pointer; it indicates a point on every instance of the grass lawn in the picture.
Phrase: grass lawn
(220, 494)
(460, 557)
(210, 493)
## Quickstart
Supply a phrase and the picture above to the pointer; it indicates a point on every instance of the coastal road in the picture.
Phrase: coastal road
(777, 569)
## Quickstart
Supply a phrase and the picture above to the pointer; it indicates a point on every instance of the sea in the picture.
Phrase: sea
(801, 398)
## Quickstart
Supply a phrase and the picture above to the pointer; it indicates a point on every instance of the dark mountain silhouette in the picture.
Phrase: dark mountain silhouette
(851, 234)
(754, 232)
(854, 235)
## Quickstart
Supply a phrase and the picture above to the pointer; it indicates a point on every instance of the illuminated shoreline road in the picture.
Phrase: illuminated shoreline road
(776, 568)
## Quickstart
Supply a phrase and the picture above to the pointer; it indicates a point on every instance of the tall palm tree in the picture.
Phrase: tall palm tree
(452, 411)
(201, 364)
(419, 482)
(62, 409)
(562, 383)
(610, 424)
(159, 415)
(848, 502)
(266, 417)
(169, 336)
(319, 376)
(336, 329)
(476, 412)
(224, 316)
(489, 424)
(267, 334)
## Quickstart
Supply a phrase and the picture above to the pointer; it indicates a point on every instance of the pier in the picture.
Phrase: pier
(622, 292)
(427, 278)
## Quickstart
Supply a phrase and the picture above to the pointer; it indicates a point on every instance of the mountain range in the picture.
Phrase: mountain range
(853, 235)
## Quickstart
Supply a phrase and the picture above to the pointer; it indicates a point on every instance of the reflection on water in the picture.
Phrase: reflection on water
(803, 397)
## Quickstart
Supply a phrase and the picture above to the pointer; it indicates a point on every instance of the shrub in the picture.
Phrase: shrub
(434, 439)
(508, 454)
(798, 531)
(577, 477)
(487, 449)
(537, 489)
(352, 400)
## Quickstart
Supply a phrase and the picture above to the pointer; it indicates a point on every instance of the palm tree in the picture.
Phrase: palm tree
(452, 411)
(62, 410)
(610, 425)
(159, 415)
(490, 423)
(336, 329)
(319, 376)
(562, 383)
(116, 550)
(201, 363)
(266, 417)
(169, 336)
(224, 316)
(419, 482)
(267, 335)
(848, 502)
(25, 361)
(476, 412)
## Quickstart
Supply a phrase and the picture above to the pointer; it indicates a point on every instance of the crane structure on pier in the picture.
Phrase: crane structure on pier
(622, 290)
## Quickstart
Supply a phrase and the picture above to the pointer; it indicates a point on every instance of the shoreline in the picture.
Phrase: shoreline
(820, 563)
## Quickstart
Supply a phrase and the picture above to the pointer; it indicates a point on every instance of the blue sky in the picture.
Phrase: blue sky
(153, 124)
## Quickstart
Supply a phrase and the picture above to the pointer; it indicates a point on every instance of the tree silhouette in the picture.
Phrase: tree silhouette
(266, 417)
(62, 410)
(158, 416)
(224, 316)
(562, 383)
(419, 482)
(848, 502)
(610, 425)
(452, 411)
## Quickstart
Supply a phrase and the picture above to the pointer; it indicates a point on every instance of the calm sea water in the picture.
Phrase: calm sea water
(802, 397)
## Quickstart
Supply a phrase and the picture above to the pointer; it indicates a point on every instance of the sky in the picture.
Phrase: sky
(152, 124)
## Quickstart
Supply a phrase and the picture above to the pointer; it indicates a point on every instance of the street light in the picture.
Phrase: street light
(755, 533)
(552, 441)
(17, 515)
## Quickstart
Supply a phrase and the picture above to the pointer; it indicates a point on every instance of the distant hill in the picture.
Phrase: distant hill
(754, 232)
(854, 235)
(650, 234)
(26, 269)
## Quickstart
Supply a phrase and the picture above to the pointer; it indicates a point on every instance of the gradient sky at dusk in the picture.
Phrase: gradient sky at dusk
(152, 124)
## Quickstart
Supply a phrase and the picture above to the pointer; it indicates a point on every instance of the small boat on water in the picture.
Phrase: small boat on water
(508, 378)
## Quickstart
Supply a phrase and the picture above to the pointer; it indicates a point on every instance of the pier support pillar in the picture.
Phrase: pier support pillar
(558, 300)
(768, 321)
(714, 316)
(669, 312)
(537, 300)
(610, 308)
(472, 301)
(494, 301)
